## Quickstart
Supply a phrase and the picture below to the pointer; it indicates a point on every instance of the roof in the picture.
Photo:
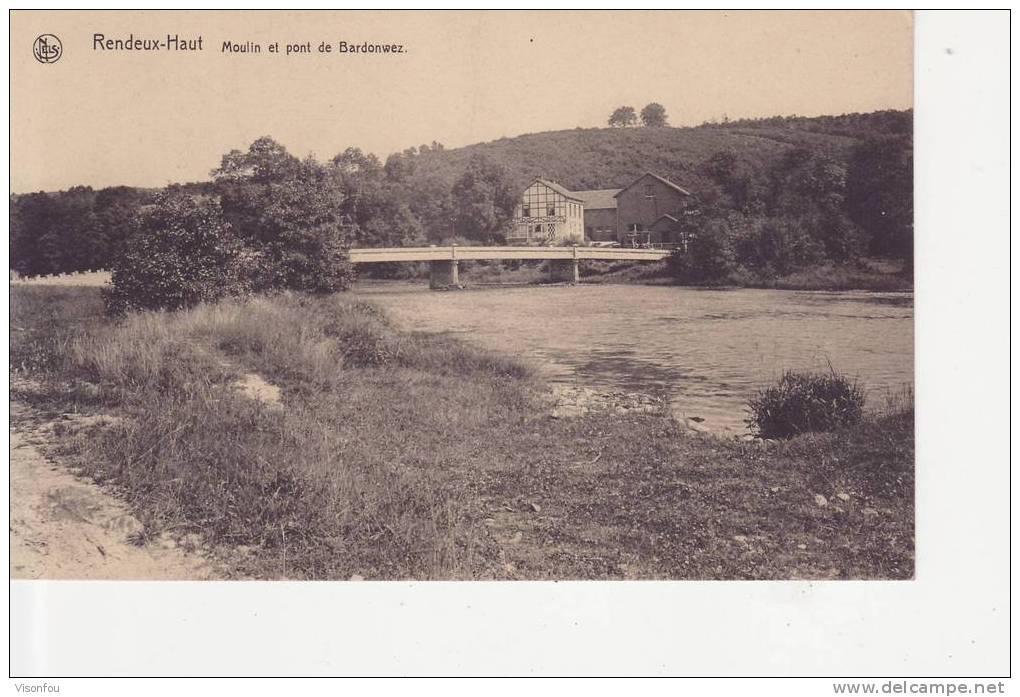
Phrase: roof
(559, 189)
(598, 198)
(663, 180)
(667, 215)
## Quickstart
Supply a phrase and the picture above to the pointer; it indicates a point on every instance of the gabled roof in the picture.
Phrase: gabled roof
(558, 189)
(598, 198)
(668, 216)
(663, 180)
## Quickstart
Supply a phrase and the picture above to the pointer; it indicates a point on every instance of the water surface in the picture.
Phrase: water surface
(705, 351)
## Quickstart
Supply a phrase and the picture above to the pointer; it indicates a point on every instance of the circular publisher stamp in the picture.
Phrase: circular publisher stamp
(47, 48)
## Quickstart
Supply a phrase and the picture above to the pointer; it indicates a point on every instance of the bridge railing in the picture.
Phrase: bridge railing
(459, 253)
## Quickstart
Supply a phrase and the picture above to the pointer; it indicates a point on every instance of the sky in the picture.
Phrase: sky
(149, 118)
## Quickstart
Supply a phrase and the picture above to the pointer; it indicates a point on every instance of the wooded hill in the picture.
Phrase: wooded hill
(857, 167)
(604, 158)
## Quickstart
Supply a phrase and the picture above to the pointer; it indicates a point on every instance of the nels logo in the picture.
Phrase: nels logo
(47, 48)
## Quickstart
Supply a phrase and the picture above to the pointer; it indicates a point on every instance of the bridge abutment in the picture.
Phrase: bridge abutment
(565, 271)
(444, 273)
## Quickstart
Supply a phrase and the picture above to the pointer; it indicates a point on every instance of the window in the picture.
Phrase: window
(649, 191)
(527, 211)
(551, 210)
(538, 228)
(633, 227)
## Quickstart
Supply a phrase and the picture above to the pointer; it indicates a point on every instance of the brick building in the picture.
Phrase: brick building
(599, 214)
(651, 210)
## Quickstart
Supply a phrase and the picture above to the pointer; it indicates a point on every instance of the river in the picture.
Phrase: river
(705, 351)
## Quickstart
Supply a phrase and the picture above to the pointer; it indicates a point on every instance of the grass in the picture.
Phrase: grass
(403, 455)
(803, 402)
(873, 275)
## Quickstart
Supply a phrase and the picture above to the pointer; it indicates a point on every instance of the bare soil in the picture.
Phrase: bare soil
(63, 527)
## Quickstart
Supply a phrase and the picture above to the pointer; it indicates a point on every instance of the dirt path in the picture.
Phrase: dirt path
(63, 527)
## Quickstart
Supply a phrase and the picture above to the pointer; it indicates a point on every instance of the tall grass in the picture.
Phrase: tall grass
(403, 455)
(330, 483)
(805, 402)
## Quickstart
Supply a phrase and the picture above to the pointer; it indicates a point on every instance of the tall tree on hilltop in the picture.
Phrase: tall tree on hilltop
(623, 117)
(654, 115)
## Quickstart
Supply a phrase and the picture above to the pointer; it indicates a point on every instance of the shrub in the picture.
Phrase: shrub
(183, 253)
(289, 212)
(709, 255)
(780, 246)
(804, 402)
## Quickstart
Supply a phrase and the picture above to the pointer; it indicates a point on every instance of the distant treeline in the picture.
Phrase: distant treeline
(783, 191)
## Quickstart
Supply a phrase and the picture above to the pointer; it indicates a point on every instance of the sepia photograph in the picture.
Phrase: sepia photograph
(467, 296)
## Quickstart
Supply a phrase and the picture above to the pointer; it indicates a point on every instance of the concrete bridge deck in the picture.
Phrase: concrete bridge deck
(455, 252)
(443, 261)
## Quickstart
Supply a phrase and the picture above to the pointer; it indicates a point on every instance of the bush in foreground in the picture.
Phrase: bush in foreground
(805, 402)
(273, 224)
(183, 253)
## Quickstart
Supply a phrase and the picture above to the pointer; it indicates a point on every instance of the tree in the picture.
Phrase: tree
(266, 161)
(654, 115)
(623, 117)
(183, 253)
(709, 256)
(484, 200)
(289, 213)
(880, 194)
(30, 217)
(744, 186)
(115, 212)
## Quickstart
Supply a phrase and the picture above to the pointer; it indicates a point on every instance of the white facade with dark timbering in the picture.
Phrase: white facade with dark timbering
(547, 214)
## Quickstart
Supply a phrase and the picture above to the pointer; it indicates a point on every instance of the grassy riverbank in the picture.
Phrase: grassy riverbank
(873, 275)
(403, 455)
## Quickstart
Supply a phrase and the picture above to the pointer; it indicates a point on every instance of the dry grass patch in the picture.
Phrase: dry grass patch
(404, 455)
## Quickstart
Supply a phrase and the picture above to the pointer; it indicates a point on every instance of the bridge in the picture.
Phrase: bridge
(444, 261)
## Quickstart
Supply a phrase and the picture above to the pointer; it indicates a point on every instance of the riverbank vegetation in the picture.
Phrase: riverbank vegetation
(392, 454)
(781, 198)
(881, 275)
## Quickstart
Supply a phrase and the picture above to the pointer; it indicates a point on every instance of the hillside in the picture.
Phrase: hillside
(613, 157)
(794, 169)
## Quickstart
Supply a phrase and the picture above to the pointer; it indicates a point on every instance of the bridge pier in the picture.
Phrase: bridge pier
(565, 271)
(443, 273)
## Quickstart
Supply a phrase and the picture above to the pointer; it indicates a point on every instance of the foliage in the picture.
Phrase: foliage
(887, 122)
(485, 200)
(54, 233)
(880, 193)
(844, 181)
(275, 224)
(183, 253)
(289, 213)
(777, 246)
(653, 115)
(806, 402)
(623, 117)
(709, 256)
